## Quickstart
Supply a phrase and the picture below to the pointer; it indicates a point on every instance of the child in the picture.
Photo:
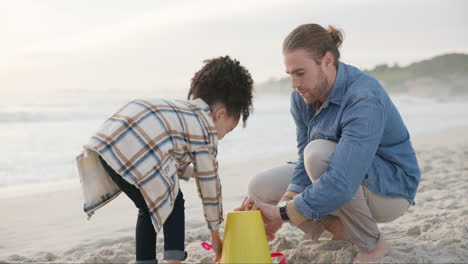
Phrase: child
(146, 146)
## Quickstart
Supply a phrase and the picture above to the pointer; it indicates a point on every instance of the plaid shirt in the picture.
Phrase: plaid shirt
(150, 144)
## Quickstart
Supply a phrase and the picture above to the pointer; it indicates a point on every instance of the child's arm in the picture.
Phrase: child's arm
(209, 185)
(217, 244)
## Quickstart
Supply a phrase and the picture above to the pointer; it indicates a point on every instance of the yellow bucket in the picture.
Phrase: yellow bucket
(245, 239)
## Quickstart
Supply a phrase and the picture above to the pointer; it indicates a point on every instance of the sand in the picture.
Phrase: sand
(45, 223)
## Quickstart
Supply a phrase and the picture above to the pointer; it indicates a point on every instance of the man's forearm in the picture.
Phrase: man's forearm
(295, 217)
(287, 196)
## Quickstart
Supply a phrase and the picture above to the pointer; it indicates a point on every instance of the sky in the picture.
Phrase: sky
(86, 45)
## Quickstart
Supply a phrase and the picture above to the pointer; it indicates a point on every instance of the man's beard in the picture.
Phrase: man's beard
(321, 88)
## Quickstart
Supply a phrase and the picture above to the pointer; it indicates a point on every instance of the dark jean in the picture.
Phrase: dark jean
(145, 237)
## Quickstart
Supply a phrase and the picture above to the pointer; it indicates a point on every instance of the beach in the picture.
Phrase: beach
(70, 67)
(45, 222)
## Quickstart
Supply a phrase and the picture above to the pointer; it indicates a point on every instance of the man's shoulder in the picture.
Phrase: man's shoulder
(362, 85)
(358, 80)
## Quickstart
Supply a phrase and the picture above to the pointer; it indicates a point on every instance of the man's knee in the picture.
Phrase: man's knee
(385, 209)
(258, 186)
(270, 185)
(254, 186)
(316, 156)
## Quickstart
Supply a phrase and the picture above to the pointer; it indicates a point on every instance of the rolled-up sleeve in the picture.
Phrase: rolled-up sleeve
(209, 186)
(362, 126)
(186, 173)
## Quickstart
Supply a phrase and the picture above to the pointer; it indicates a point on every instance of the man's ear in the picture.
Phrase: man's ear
(328, 59)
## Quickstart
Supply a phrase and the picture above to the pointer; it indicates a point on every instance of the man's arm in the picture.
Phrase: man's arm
(362, 125)
(300, 180)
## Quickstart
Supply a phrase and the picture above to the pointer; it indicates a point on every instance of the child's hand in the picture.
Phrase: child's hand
(217, 244)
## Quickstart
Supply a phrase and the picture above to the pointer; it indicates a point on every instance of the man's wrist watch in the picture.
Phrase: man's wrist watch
(282, 210)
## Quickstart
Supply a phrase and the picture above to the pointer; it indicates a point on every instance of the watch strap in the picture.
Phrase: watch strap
(283, 213)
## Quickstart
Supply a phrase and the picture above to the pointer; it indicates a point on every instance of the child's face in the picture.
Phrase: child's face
(224, 123)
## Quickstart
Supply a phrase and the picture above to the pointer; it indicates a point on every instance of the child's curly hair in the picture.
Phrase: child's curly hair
(223, 80)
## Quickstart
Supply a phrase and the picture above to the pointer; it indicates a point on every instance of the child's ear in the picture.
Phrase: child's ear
(220, 113)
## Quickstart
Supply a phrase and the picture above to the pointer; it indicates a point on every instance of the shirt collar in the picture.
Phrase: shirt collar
(208, 119)
(338, 89)
(201, 104)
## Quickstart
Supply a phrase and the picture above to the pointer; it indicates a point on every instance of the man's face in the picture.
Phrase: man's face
(308, 78)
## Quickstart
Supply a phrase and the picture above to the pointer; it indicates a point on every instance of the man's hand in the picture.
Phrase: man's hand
(217, 244)
(271, 217)
(246, 204)
(285, 198)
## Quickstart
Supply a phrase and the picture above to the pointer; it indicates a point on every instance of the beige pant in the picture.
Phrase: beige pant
(359, 216)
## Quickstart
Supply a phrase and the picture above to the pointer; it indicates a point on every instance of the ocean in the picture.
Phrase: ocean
(41, 134)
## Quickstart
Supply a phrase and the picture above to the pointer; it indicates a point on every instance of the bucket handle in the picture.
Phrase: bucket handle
(278, 254)
(208, 246)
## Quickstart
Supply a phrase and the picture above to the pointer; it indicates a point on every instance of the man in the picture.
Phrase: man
(356, 165)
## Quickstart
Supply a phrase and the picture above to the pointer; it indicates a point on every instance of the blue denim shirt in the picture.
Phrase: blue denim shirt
(373, 145)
